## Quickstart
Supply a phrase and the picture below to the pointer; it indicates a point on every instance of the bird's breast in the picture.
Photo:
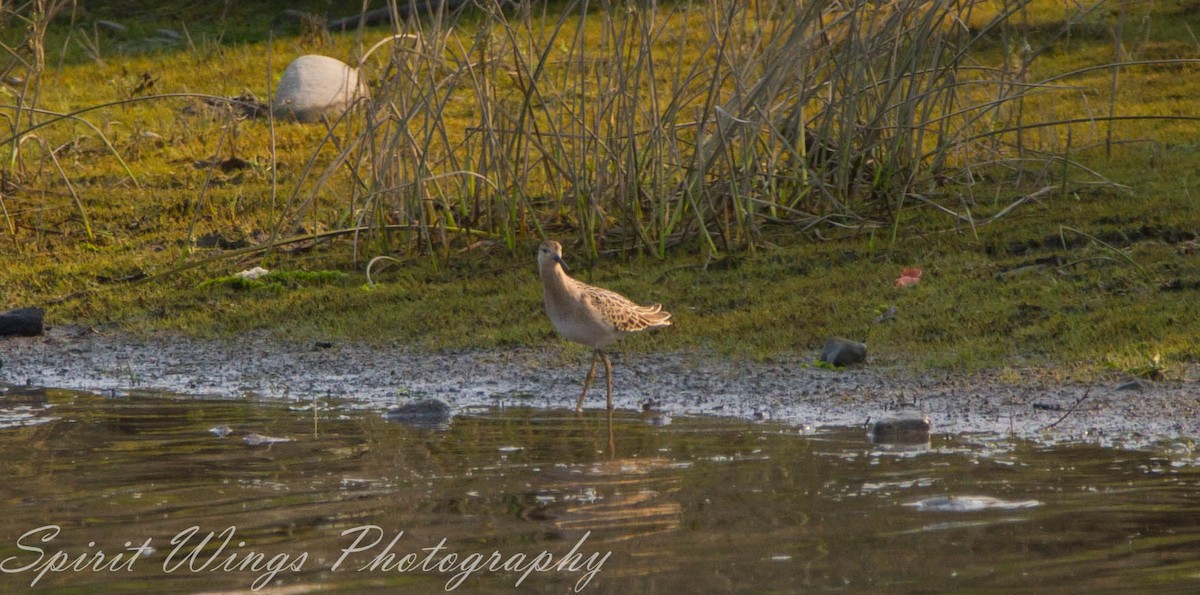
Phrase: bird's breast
(575, 321)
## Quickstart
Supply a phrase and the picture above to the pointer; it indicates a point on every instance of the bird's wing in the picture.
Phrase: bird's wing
(623, 313)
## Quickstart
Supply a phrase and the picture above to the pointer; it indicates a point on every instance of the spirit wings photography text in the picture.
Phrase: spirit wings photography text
(368, 548)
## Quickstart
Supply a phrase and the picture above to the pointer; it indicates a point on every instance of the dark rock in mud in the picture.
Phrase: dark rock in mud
(430, 413)
(216, 240)
(909, 429)
(843, 352)
(22, 322)
(1135, 384)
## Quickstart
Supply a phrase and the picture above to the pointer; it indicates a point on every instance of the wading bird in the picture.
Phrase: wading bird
(590, 315)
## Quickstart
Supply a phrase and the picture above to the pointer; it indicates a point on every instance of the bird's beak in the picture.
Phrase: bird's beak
(560, 261)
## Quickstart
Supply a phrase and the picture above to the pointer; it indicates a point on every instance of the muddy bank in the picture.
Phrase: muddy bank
(792, 392)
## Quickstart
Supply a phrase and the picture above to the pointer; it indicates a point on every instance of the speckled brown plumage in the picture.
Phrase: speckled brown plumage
(589, 315)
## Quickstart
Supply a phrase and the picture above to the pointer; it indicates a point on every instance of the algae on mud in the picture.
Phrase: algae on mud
(1015, 403)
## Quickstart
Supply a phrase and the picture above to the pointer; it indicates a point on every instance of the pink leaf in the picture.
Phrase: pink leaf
(909, 277)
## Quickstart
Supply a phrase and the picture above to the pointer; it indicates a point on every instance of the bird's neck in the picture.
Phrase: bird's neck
(554, 278)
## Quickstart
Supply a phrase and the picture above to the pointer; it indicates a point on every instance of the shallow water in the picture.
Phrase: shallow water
(700, 505)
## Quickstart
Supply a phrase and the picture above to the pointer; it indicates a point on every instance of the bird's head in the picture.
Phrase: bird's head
(548, 253)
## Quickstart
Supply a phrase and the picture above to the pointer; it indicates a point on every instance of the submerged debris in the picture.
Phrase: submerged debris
(912, 429)
(658, 419)
(429, 413)
(259, 439)
(970, 504)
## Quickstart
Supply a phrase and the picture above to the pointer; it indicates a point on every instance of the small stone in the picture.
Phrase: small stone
(843, 352)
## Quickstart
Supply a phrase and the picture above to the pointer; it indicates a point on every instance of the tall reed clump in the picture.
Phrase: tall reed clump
(21, 68)
(640, 125)
(29, 158)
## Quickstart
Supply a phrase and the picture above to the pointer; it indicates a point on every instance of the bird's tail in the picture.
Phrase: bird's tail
(654, 316)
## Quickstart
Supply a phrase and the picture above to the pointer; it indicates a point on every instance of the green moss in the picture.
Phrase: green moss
(1088, 278)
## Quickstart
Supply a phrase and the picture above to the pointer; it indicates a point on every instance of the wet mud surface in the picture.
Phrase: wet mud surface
(792, 392)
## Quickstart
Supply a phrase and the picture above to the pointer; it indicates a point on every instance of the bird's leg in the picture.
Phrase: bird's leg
(608, 376)
(587, 383)
(612, 444)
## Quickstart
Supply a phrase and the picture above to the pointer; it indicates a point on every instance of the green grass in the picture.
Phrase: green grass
(1086, 277)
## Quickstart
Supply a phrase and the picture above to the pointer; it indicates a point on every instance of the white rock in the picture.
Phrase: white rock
(252, 274)
(314, 86)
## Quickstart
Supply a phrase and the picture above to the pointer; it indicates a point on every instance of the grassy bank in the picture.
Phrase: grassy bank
(764, 171)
